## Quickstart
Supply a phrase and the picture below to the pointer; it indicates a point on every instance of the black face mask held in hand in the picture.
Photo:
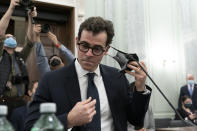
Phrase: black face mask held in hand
(123, 59)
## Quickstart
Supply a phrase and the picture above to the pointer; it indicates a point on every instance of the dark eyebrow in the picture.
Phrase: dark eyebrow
(89, 44)
(84, 42)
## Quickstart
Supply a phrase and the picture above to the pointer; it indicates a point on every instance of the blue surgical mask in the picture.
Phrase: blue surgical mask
(10, 42)
(190, 82)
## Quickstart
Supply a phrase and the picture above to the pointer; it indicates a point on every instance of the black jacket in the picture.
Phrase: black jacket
(62, 87)
(6, 68)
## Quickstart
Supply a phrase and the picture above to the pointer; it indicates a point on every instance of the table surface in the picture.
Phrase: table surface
(178, 129)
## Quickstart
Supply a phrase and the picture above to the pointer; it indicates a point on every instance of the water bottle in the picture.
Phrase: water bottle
(4, 123)
(48, 121)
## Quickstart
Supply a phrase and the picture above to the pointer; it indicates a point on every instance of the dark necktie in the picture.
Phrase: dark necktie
(92, 91)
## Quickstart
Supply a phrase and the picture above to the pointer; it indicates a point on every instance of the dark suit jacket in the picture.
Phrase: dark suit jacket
(184, 91)
(18, 118)
(62, 87)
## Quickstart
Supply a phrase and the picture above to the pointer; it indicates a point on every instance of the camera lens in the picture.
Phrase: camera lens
(45, 28)
(26, 3)
(55, 62)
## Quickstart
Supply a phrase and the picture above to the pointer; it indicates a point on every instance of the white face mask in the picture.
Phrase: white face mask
(190, 82)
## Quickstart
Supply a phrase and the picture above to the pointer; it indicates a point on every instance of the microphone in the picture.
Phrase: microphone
(124, 58)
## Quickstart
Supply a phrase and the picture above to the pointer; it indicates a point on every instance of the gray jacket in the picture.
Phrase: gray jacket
(42, 61)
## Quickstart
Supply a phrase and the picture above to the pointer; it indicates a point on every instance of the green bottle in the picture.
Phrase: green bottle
(4, 123)
(48, 121)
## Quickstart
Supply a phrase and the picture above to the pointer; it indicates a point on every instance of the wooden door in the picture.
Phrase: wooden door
(62, 22)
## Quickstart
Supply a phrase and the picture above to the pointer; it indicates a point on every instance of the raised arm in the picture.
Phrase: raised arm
(42, 61)
(30, 40)
(6, 18)
(4, 22)
(68, 55)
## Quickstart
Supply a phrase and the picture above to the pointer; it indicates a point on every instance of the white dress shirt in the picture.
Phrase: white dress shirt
(106, 116)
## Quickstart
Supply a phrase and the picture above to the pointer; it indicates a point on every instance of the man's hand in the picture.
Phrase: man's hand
(192, 116)
(33, 13)
(9, 84)
(143, 129)
(82, 113)
(14, 3)
(53, 38)
(138, 73)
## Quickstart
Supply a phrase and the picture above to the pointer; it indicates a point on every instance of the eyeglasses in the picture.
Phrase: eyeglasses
(96, 50)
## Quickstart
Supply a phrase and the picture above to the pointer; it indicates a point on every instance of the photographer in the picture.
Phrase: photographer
(68, 56)
(54, 62)
(187, 110)
(13, 74)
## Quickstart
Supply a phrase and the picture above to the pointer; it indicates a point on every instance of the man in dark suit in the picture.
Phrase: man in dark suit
(190, 89)
(91, 96)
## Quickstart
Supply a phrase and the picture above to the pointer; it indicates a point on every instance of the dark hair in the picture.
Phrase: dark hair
(97, 25)
(183, 98)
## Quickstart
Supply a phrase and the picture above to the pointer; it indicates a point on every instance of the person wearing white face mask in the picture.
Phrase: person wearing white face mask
(190, 89)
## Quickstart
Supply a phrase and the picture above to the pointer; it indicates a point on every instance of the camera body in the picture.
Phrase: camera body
(18, 79)
(45, 28)
(27, 4)
(55, 62)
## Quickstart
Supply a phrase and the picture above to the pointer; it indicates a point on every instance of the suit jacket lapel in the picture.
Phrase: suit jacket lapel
(194, 90)
(73, 84)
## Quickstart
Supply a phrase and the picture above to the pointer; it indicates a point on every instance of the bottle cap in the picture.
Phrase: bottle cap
(47, 108)
(3, 110)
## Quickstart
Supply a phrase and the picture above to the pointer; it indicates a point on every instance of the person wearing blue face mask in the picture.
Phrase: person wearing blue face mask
(13, 73)
(187, 110)
(190, 89)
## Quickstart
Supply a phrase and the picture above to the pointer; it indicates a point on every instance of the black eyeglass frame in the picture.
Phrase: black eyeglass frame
(94, 48)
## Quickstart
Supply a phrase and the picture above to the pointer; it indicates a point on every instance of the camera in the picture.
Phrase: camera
(16, 79)
(45, 28)
(55, 62)
(27, 4)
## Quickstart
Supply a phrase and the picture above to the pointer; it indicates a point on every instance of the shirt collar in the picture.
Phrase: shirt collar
(81, 72)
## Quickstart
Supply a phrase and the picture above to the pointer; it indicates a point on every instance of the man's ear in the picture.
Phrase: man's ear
(106, 50)
(76, 40)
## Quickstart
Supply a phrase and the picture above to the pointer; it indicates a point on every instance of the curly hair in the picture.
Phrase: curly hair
(97, 25)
